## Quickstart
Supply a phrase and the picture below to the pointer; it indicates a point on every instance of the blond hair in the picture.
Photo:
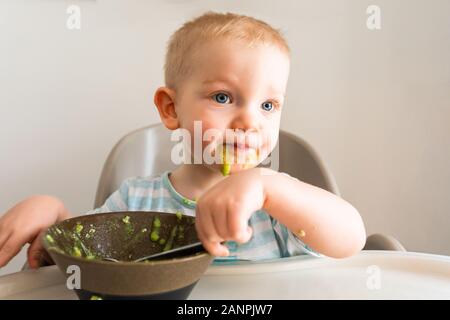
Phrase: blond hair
(209, 26)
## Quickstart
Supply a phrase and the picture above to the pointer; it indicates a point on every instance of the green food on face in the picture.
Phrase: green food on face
(226, 167)
(126, 220)
(96, 298)
(76, 252)
(78, 228)
(154, 236)
(50, 239)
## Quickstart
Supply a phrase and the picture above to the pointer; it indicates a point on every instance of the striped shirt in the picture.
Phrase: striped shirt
(270, 239)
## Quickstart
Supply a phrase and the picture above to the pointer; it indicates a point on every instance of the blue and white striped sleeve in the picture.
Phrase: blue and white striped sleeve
(117, 201)
(290, 244)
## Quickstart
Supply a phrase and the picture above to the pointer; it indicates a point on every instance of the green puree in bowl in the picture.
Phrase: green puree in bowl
(87, 241)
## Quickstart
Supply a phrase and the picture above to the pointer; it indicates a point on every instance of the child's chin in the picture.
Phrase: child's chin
(235, 168)
(246, 166)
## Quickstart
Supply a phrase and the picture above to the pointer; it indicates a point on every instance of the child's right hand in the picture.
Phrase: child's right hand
(23, 224)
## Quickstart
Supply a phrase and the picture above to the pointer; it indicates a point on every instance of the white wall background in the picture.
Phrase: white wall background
(375, 104)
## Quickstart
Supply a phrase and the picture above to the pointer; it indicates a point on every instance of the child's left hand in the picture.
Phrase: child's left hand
(222, 212)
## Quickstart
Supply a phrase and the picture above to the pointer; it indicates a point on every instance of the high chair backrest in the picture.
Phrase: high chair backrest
(147, 151)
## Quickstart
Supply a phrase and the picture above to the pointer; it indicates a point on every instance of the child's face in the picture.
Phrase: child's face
(236, 87)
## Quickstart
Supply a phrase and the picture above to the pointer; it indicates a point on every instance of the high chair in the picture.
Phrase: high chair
(147, 151)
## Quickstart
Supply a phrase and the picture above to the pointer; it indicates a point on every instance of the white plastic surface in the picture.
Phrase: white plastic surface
(368, 275)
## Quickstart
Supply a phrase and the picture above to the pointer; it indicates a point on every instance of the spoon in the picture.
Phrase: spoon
(169, 254)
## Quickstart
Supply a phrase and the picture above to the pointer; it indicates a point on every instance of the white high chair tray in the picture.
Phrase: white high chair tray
(368, 275)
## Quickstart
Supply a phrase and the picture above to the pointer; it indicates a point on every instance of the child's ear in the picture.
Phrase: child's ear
(165, 102)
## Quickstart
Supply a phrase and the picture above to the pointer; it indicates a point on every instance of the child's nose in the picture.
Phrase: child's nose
(246, 119)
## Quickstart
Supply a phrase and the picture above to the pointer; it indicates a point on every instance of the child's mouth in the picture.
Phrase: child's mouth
(239, 153)
(238, 146)
(237, 149)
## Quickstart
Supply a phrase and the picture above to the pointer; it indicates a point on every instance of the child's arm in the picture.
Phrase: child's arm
(24, 222)
(323, 221)
(320, 219)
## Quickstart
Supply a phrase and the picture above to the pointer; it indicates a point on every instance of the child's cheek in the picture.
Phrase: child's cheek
(202, 134)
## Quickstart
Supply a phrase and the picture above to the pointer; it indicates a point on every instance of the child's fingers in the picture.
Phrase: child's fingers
(221, 225)
(207, 226)
(216, 249)
(208, 245)
(4, 235)
(199, 230)
(249, 234)
(238, 225)
(35, 252)
(11, 247)
(198, 226)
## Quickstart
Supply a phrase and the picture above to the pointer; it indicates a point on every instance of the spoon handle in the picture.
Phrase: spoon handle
(176, 252)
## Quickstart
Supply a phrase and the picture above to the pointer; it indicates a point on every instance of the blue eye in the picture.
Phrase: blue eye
(267, 106)
(221, 98)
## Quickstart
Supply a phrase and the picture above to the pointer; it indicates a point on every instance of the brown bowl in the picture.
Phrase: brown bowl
(84, 241)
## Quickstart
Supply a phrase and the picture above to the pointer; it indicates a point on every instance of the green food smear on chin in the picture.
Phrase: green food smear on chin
(226, 167)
